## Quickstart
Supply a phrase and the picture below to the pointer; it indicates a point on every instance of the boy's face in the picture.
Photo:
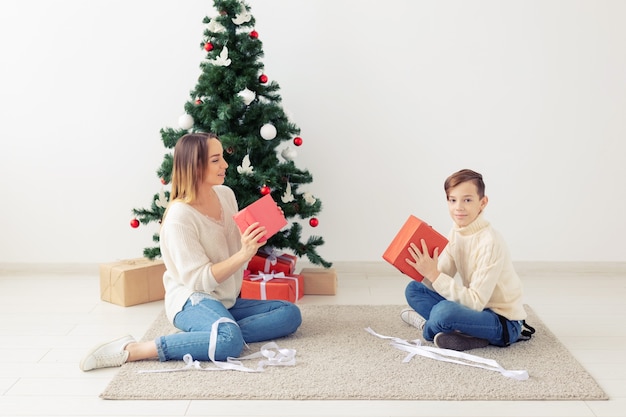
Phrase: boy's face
(464, 204)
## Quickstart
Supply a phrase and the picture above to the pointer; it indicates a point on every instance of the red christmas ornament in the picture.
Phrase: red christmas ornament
(208, 46)
(254, 34)
(297, 141)
(163, 181)
(198, 101)
(265, 190)
(314, 222)
(134, 223)
(263, 78)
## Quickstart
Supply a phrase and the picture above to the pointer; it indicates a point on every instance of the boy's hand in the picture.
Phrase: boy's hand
(422, 262)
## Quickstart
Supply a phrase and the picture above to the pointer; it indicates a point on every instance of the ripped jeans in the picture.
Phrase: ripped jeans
(257, 321)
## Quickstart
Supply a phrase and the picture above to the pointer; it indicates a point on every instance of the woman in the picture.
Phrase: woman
(204, 255)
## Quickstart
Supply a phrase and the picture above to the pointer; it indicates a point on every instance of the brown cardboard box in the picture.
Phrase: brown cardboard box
(132, 281)
(319, 281)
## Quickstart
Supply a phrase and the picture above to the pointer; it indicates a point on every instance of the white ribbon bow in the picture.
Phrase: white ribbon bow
(267, 277)
(272, 257)
(415, 348)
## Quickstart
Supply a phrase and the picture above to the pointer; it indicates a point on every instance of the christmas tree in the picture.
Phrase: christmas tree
(236, 100)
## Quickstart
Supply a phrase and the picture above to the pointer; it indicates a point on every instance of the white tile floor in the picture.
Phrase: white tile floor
(51, 314)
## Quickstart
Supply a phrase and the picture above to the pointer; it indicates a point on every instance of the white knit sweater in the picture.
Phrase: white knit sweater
(488, 280)
(190, 243)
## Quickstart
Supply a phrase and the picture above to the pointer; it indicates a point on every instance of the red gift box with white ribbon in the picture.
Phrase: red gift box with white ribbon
(273, 286)
(269, 260)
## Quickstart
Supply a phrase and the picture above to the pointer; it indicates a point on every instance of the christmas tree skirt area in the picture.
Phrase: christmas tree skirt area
(336, 358)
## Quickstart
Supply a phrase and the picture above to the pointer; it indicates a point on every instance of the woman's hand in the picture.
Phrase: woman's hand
(250, 240)
(422, 262)
(249, 246)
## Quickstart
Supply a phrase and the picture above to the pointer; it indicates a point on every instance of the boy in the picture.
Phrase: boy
(486, 308)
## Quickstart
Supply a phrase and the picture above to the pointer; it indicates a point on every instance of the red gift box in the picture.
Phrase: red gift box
(271, 260)
(273, 287)
(266, 212)
(413, 230)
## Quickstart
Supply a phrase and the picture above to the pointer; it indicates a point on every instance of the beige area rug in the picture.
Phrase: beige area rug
(337, 359)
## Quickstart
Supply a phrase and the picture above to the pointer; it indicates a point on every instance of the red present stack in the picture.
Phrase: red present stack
(413, 230)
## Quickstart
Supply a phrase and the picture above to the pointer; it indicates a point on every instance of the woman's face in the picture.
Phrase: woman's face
(216, 168)
(464, 204)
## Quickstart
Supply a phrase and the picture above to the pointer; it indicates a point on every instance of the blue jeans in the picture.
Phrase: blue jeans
(257, 321)
(448, 316)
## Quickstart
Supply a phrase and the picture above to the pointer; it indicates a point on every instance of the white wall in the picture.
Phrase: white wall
(391, 98)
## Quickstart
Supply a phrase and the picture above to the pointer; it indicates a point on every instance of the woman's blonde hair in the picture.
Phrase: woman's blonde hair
(191, 158)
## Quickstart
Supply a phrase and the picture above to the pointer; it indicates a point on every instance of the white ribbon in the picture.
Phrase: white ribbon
(273, 354)
(415, 347)
(272, 257)
(268, 277)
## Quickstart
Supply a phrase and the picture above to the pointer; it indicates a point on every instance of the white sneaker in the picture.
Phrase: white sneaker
(411, 317)
(107, 354)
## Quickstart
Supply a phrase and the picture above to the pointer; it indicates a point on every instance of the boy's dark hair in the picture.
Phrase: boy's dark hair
(465, 175)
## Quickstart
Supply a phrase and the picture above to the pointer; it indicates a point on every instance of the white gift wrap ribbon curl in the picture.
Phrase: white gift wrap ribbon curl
(446, 355)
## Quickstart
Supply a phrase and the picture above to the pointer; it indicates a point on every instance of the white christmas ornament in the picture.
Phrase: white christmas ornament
(308, 197)
(268, 131)
(215, 26)
(287, 197)
(248, 96)
(245, 167)
(242, 17)
(222, 60)
(289, 153)
(162, 200)
(185, 121)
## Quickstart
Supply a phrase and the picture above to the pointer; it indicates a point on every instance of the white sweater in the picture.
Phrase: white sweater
(190, 243)
(480, 256)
